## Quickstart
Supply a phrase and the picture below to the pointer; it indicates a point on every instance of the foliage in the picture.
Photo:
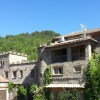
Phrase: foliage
(47, 76)
(39, 98)
(22, 92)
(47, 80)
(47, 94)
(92, 91)
(34, 88)
(10, 87)
(69, 95)
(26, 43)
(37, 92)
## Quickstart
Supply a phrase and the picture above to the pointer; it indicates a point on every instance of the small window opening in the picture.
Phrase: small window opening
(14, 74)
(6, 74)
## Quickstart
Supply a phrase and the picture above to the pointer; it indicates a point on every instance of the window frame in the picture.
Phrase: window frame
(58, 70)
(6, 74)
(21, 73)
(2, 63)
(14, 74)
(82, 52)
(79, 70)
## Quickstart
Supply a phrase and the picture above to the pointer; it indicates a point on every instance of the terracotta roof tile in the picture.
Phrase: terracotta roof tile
(3, 80)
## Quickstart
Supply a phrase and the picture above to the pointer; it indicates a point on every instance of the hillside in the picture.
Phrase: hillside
(26, 43)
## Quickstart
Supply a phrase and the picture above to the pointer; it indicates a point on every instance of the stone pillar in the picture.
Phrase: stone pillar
(69, 54)
(87, 52)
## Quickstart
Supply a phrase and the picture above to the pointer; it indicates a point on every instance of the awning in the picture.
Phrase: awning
(65, 86)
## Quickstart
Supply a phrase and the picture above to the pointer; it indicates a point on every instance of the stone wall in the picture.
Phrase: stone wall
(69, 75)
(26, 67)
(26, 70)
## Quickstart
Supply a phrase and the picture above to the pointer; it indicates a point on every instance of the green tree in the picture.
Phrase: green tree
(47, 76)
(26, 43)
(37, 92)
(10, 87)
(92, 87)
(69, 95)
(47, 80)
(22, 92)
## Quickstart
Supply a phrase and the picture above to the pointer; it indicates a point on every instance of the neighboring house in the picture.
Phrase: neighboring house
(4, 95)
(17, 69)
(67, 57)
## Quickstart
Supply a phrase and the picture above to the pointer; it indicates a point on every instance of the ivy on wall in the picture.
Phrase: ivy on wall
(92, 76)
(11, 87)
(47, 76)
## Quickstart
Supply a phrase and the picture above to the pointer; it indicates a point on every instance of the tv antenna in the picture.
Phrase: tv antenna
(83, 27)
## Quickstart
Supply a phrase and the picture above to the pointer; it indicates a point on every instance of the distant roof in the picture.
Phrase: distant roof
(3, 80)
(65, 86)
(90, 31)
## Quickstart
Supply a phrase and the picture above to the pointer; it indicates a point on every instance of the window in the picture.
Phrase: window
(21, 73)
(14, 74)
(77, 69)
(6, 74)
(58, 70)
(2, 62)
(82, 52)
(32, 73)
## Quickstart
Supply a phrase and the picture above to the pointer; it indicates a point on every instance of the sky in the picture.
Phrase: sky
(61, 16)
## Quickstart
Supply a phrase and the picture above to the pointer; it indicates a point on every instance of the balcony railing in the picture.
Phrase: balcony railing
(61, 58)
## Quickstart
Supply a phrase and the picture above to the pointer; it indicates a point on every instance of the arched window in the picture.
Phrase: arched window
(2, 62)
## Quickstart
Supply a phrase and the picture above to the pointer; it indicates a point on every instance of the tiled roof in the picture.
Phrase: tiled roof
(3, 80)
(81, 32)
(72, 41)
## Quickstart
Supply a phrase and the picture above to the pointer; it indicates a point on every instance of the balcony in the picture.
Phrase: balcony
(61, 58)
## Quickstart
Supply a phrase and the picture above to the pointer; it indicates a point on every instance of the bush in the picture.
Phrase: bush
(69, 95)
(11, 87)
(37, 92)
(22, 92)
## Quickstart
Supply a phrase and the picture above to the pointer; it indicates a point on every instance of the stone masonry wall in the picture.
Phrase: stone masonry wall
(26, 70)
(69, 75)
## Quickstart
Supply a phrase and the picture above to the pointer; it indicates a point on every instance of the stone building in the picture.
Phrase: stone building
(17, 69)
(67, 57)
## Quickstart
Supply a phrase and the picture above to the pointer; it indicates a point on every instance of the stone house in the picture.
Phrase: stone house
(17, 69)
(67, 57)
